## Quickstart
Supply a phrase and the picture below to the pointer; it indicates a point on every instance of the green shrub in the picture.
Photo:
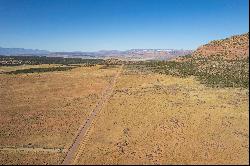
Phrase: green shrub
(214, 71)
(40, 70)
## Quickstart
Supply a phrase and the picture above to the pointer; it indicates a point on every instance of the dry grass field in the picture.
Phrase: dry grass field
(45, 110)
(30, 158)
(158, 119)
(149, 119)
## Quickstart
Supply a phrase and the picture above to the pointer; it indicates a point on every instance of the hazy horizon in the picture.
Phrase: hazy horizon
(93, 25)
(99, 50)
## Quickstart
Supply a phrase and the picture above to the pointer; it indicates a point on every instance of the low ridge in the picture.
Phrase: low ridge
(230, 48)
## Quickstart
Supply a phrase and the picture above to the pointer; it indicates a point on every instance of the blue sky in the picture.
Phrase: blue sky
(90, 25)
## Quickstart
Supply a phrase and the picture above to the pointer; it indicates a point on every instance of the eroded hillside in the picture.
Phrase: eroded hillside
(231, 48)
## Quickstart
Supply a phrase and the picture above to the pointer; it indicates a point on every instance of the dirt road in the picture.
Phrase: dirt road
(71, 154)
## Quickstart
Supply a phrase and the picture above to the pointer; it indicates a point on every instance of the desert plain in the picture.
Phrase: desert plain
(143, 118)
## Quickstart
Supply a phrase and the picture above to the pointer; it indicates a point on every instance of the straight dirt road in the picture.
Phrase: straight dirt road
(72, 152)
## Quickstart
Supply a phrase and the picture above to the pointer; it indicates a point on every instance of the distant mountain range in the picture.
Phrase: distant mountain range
(21, 51)
(131, 54)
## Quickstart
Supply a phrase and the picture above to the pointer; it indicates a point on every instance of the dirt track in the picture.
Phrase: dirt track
(72, 152)
(52, 150)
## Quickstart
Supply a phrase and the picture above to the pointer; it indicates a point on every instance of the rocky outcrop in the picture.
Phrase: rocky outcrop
(235, 47)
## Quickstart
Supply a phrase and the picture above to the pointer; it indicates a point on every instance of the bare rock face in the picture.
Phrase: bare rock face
(235, 47)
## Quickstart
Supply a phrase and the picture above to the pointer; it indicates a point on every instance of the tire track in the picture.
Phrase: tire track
(72, 152)
(51, 150)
